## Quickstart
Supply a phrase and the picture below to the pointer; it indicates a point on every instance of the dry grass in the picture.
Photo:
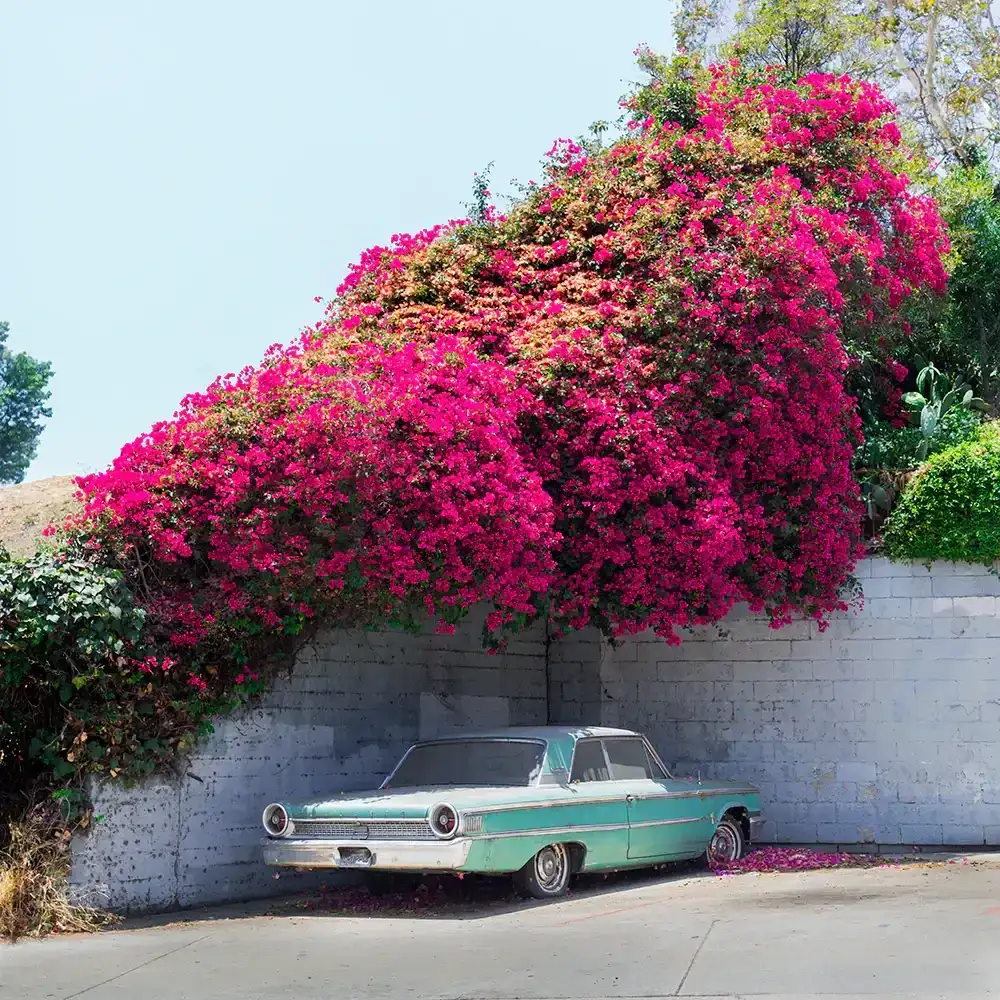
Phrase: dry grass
(35, 896)
(26, 510)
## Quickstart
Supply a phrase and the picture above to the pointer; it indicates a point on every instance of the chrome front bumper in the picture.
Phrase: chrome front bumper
(404, 855)
(757, 824)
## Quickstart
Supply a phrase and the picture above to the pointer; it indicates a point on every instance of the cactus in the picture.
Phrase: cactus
(934, 397)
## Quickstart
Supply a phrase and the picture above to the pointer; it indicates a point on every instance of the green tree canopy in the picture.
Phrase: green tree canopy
(970, 197)
(23, 394)
(939, 60)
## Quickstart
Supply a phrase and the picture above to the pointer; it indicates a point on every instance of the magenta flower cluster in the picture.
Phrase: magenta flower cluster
(622, 403)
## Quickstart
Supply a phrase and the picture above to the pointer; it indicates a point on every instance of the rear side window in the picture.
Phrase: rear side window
(628, 759)
(588, 762)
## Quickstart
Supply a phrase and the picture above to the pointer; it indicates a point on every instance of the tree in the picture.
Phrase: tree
(810, 36)
(939, 60)
(23, 394)
(947, 57)
(970, 199)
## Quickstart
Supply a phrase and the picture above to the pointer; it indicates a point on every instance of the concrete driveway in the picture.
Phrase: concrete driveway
(916, 932)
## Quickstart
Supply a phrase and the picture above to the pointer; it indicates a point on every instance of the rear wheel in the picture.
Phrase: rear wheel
(546, 875)
(727, 844)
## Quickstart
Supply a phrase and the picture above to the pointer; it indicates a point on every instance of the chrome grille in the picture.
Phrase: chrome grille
(364, 829)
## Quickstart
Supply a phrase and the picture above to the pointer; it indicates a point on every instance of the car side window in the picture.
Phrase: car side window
(589, 763)
(655, 768)
(628, 759)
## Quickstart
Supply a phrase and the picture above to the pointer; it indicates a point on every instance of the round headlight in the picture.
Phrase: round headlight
(276, 821)
(444, 821)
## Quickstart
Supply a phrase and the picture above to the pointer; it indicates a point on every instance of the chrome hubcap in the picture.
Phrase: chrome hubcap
(550, 866)
(724, 845)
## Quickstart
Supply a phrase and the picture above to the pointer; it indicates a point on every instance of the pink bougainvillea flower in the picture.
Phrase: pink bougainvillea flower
(792, 859)
(620, 404)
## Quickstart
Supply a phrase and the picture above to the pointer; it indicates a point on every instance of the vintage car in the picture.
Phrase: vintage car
(539, 804)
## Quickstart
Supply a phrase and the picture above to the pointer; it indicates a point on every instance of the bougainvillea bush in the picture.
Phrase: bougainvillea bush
(621, 403)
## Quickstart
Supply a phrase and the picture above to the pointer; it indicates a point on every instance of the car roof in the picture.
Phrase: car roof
(535, 733)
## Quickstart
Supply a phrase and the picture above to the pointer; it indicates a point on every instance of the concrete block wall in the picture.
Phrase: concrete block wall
(352, 705)
(884, 728)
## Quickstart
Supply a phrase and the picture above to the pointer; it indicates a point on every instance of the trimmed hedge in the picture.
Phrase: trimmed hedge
(951, 508)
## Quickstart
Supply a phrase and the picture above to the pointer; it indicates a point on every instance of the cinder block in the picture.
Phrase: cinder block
(980, 585)
(856, 771)
(910, 586)
(760, 649)
(837, 833)
(856, 814)
(884, 568)
(890, 607)
(878, 587)
(795, 833)
(975, 607)
(922, 833)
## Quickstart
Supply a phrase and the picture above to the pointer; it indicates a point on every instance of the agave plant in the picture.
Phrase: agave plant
(934, 397)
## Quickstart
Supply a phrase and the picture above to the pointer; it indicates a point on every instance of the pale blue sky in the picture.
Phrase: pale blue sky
(179, 180)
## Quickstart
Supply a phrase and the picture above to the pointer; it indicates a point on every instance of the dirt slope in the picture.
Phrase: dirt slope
(25, 510)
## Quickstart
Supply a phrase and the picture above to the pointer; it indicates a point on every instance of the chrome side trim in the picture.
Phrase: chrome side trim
(669, 822)
(693, 794)
(593, 828)
(551, 831)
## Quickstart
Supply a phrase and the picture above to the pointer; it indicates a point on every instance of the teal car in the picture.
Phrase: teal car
(540, 804)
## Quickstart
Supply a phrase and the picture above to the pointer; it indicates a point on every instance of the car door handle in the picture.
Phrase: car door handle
(630, 798)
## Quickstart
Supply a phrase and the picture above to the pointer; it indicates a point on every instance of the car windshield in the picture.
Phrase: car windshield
(470, 762)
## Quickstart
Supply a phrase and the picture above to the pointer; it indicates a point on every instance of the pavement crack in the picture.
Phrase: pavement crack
(694, 958)
(135, 968)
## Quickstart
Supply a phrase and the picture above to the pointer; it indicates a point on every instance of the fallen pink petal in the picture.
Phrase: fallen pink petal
(797, 859)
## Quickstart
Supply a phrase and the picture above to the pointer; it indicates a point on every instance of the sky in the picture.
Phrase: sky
(178, 181)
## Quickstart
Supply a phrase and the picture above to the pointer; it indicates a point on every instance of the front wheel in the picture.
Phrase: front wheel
(727, 844)
(546, 875)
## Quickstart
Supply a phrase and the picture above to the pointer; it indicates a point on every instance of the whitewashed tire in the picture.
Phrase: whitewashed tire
(727, 844)
(547, 874)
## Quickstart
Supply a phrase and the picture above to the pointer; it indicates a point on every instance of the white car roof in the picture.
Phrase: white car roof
(536, 733)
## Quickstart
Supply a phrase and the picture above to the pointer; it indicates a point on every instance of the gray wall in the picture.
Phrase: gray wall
(341, 721)
(884, 728)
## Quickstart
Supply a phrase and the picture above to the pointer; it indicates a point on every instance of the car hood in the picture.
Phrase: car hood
(410, 803)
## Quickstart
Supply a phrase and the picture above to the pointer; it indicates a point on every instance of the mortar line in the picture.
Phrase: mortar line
(694, 958)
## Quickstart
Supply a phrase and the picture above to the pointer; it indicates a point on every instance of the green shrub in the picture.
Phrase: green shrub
(78, 693)
(895, 448)
(951, 508)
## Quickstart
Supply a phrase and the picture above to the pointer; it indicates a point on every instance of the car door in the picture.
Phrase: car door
(665, 816)
(601, 808)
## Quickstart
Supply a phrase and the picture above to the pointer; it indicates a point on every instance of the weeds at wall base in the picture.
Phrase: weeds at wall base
(35, 894)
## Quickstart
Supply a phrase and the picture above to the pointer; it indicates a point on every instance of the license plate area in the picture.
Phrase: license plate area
(355, 857)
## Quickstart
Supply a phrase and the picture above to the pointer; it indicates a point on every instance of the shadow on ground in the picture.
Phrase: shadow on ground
(449, 897)
(444, 897)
